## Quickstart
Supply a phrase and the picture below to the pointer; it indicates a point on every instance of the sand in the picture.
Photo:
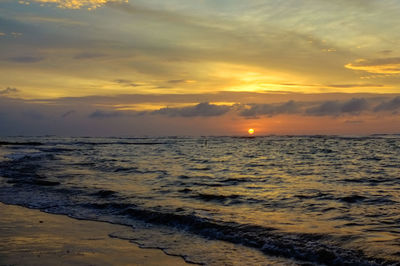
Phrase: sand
(32, 237)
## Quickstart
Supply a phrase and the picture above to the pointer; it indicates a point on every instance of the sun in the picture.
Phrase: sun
(251, 131)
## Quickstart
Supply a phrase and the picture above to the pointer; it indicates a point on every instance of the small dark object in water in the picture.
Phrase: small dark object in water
(104, 193)
(352, 199)
(46, 183)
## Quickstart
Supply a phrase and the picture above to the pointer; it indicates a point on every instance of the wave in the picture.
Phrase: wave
(29, 143)
(33, 181)
(212, 197)
(119, 143)
(314, 248)
(309, 248)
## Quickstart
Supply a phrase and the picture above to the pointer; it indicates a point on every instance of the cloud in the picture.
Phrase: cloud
(290, 107)
(68, 113)
(355, 106)
(245, 104)
(78, 4)
(126, 82)
(334, 108)
(391, 105)
(178, 81)
(52, 20)
(386, 52)
(88, 55)
(83, 116)
(16, 34)
(324, 108)
(8, 90)
(159, 14)
(25, 59)
(174, 81)
(355, 85)
(106, 114)
(202, 109)
(354, 121)
(388, 66)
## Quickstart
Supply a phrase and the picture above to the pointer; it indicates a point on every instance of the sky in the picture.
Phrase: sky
(199, 67)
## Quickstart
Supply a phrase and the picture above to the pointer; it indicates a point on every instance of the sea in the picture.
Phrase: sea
(267, 200)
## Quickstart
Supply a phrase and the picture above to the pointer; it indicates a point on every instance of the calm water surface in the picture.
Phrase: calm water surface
(222, 200)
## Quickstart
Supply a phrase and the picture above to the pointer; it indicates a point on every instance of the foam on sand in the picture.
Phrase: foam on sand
(31, 237)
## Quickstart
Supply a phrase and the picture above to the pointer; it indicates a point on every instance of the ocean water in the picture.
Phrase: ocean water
(289, 200)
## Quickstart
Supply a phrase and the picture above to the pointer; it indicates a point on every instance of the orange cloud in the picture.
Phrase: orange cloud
(386, 66)
(77, 4)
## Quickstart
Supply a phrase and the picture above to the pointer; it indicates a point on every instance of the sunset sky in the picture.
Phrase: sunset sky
(199, 67)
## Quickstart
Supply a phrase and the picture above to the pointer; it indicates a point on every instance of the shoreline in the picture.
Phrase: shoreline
(33, 237)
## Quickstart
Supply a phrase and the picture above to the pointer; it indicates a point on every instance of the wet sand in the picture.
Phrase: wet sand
(32, 237)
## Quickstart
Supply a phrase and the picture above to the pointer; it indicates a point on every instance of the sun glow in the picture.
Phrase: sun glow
(251, 131)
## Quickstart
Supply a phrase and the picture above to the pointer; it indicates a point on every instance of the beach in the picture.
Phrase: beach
(32, 237)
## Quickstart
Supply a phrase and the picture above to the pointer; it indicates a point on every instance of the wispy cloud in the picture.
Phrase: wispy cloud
(290, 107)
(92, 117)
(126, 82)
(391, 105)
(334, 108)
(174, 81)
(25, 59)
(362, 85)
(77, 4)
(377, 66)
(354, 121)
(8, 90)
(106, 114)
(201, 109)
(88, 55)
(53, 20)
(68, 113)
(353, 106)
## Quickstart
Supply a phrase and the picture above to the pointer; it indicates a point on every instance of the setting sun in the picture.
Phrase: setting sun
(251, 131)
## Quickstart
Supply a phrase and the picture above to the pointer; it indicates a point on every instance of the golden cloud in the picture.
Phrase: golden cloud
(386, 66)
(77, 4)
